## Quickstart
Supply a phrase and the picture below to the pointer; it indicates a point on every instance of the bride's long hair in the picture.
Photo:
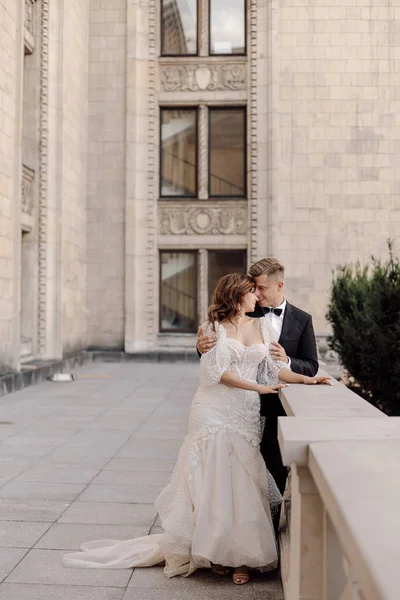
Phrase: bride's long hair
(227, 297)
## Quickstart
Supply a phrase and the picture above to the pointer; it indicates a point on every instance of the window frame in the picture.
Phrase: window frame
(194, 253)
(244, 251)
(244, 53)
(162, 33)
(162, 109)
(243, 108)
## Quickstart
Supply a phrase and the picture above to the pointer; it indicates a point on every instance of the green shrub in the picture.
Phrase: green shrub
(364, 312)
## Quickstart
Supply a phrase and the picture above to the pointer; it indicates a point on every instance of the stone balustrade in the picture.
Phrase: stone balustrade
(340, 523)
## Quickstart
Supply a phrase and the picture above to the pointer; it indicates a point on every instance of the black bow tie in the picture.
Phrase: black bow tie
(269, 309)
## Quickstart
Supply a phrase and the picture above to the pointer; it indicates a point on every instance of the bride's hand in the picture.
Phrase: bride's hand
(271, 389)
(325, 380)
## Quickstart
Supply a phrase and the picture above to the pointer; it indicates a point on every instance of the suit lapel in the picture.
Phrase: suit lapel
(287, 322)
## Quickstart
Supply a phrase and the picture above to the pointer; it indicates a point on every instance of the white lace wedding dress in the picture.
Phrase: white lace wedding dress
(217, 507)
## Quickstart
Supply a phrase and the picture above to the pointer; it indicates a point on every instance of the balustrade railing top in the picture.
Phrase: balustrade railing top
(359, 487)
(325, 401)
(340, 536)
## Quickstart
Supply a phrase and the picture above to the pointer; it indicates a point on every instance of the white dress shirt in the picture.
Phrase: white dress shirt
(277, 323)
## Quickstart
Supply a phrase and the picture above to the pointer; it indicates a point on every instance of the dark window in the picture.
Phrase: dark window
(227, 27)
(178, 291)
(223, 262)
(178, 152)
(227, 164)
(179, 27)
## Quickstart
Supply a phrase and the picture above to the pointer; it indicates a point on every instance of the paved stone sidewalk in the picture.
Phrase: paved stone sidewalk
(85, 460)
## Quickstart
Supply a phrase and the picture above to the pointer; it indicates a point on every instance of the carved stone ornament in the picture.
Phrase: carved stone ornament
(203, 77)
(151, 211)
(43, 174)
(29, 15)
(179, 220)
(28, 176)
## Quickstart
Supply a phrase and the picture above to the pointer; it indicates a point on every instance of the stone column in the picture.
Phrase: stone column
(306, 538)
(141, 266)
(13, 359)
(50, 181)
(258, 188)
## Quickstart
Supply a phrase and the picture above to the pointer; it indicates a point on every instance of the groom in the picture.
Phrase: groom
(295, 345)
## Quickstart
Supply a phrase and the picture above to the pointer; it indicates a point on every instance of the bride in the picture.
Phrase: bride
(216, 509)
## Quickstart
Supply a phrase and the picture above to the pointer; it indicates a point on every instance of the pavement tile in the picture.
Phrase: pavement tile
(136, 493)
(30, 438)
(18, 451)
(31, 510)
(9, 558)
(152, 392)
(118, 422)
(191, 591)
(155, 453)
(265, 595)
(157, 529)
(42, 491)
(157, 478)
(22, 591)
(72, 454)
(166, 434)
(154, 578)
(46, 567)
(54, 473)
(78, 461)
(109, 513)
(151, 449)
(14, 534)
(141, 464)
(69, 536)
(10, 468)
(93, 437)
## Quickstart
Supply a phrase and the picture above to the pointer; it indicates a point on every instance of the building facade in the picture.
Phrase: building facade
(149, 146)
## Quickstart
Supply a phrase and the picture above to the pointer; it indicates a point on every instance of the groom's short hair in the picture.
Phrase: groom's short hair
(267, 266)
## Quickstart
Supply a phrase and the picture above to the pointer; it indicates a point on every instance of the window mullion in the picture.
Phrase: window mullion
(203, 285)
(203, 152)
(203, 29)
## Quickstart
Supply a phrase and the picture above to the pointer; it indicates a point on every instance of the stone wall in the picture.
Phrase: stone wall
(74, 168)
(10, 72)
(106, 173)
(334, 115)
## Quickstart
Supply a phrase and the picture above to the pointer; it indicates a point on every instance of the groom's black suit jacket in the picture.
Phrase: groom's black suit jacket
(298, 340)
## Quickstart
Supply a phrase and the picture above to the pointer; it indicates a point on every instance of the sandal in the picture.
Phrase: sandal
(220, 570)
(240, 576)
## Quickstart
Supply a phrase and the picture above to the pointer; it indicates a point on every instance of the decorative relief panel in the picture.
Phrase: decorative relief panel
(192, 77)
(27, 203)
(29, 15)
(178, 219)
(28, 26)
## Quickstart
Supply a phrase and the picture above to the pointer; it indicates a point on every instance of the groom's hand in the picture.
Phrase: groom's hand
(278, 352)
(205, 342)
